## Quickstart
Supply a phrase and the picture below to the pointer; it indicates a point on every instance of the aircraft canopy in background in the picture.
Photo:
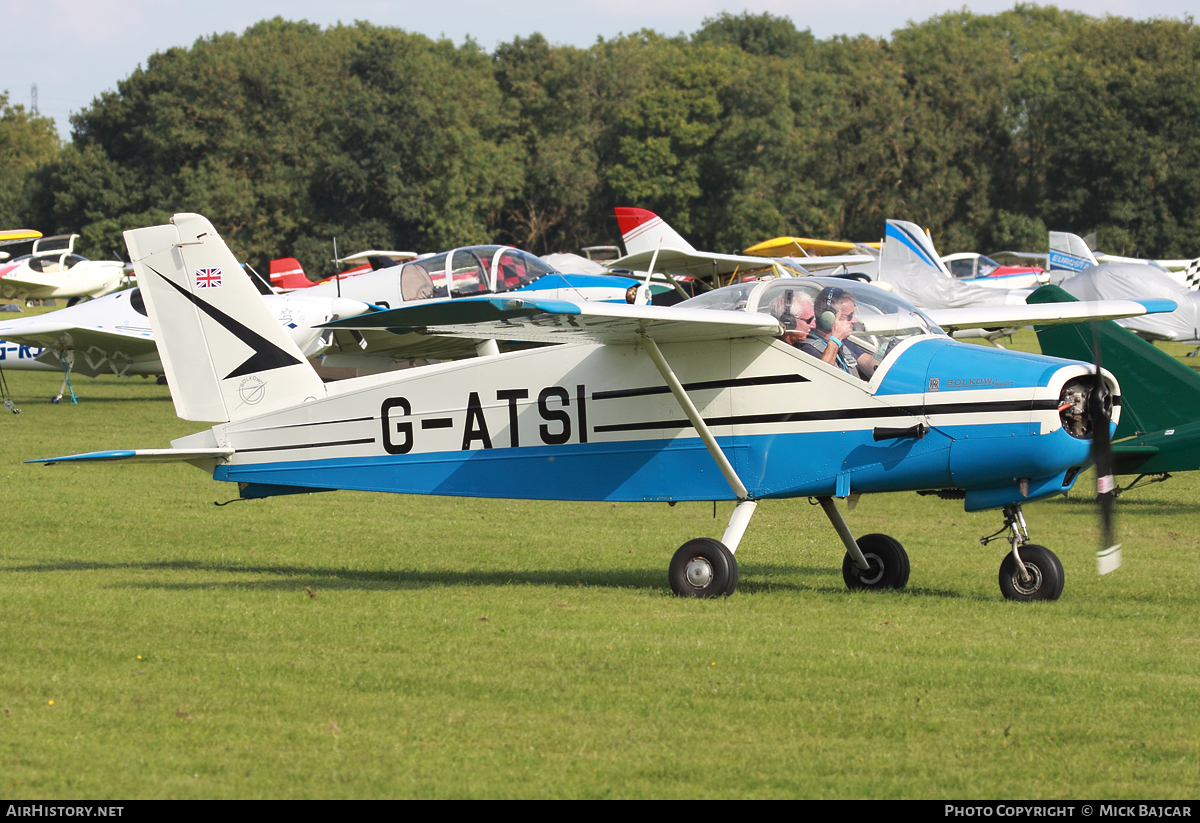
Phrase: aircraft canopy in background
(53, 270)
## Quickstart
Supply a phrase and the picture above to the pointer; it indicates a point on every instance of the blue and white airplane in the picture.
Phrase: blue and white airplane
(449, 276)
(701, 401)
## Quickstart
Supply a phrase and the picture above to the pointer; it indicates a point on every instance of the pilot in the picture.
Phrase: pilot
(834, 311)
(794, 310)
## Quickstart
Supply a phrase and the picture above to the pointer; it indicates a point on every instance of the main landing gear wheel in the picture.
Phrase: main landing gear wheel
(703, 568)
(1045, 575)
(887, 561)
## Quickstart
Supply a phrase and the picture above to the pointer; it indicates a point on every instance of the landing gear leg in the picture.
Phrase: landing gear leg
(68, 363)
(874, 561)
(1029, 571)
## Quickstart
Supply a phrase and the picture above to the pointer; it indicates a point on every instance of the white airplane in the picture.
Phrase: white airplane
(53, 270)
(112, 334)
(1116, 281)
(701, 401)
(907, 263)
(452, 275)
(653, 248)
(1071, 254)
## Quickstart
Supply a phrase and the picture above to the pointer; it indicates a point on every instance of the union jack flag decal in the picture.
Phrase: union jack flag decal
(208, 278)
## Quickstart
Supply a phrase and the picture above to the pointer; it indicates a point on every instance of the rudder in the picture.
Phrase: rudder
(226, 357)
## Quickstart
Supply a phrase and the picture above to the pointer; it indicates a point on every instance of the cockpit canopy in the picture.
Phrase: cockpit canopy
(882, 320)
(470, 271)
(48, 263)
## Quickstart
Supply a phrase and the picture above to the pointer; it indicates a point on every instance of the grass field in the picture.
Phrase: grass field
(367, 645)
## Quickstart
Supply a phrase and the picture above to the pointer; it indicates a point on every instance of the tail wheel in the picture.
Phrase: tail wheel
(703, 568)
(886, 560)
(1043, 568)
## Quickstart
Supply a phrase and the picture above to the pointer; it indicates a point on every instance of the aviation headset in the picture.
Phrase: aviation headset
(787, 319)
(825, 306)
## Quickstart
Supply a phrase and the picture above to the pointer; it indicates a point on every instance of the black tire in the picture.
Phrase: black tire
(703, 568)
(1044, 569)
(888, 564)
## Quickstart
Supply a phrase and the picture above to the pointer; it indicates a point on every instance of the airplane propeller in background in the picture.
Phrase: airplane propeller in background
(1108, 558)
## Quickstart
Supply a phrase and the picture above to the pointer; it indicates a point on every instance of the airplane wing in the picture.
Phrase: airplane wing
(1044, 314)
(561, 321)
(17, 235)
(692, 263)
(803, 247)
(132, 341)
(25, 283)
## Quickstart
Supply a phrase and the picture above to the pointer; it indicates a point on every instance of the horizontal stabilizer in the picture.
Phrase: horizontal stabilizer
(139, 456)
(562, 321)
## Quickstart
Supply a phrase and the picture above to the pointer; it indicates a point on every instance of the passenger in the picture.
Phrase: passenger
(834, 309)
(794, 310)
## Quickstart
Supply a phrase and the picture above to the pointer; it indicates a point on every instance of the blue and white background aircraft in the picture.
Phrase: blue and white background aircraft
(702, 401)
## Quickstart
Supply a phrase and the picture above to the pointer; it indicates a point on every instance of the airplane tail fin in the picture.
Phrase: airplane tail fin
(1157, 391)
(645, 231)
(905, 245)
(287, 274)
(1068, 252)
(225, 355)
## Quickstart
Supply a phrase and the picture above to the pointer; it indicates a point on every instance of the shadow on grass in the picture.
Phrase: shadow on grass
(1133, 505)
(86, 400)
(754, 578)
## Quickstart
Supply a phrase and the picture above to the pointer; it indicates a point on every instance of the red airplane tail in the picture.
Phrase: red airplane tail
(288, 274)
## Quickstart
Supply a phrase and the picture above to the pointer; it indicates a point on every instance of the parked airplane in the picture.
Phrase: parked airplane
(112, 334)
(1118, 281)
(1071, 253)
(53, 270)
(654, 248)
(701, 401)
(981, 270)
(288, 275)
(448, 276)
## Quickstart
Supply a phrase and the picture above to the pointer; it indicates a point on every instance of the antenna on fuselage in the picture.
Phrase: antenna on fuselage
(337, 280)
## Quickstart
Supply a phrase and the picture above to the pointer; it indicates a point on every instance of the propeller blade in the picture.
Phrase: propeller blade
(1108, 558)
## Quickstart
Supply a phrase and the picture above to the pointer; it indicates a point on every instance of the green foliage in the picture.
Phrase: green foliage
(26, 144)
(986, 129)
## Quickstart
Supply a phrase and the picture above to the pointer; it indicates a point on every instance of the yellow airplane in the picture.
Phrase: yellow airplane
(803, 247)
(16, 235)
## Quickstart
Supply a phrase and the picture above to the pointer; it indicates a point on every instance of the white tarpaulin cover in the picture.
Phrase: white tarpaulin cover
(1122, 281)
(911, 265)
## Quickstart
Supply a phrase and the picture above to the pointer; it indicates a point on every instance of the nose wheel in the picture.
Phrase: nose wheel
(1043, 578)
(1028, 571)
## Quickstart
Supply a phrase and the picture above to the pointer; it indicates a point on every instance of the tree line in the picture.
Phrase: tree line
(987, 129)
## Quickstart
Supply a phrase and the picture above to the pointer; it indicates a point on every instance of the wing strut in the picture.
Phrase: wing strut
(740, 518)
